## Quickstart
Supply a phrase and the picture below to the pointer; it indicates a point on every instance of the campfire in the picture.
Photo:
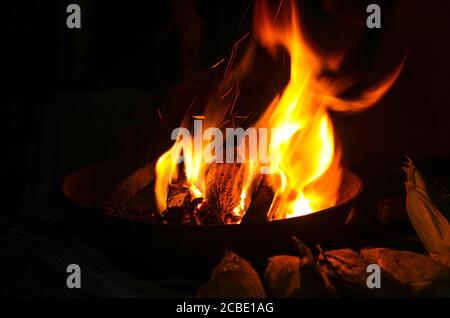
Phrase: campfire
(284, 164)
(263, 198)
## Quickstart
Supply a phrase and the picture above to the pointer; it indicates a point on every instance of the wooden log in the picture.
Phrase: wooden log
(140, 206)
(233, 277)
(260, 204)
(178, 215)
(133, 197)
(180, 209)
(131, 185)
(178, 197)
(209, 214)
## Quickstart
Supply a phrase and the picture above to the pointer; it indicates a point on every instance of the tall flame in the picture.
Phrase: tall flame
(305, 170)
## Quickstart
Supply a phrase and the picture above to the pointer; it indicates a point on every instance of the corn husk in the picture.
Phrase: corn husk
(233, 277)
(443, 259)
(431, 225)
(223, 185)
(419, 274)
(314, 282)
(297, 276)
(347, 270)
(282, 276)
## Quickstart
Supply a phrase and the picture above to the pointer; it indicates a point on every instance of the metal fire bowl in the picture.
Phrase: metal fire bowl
(190, 250)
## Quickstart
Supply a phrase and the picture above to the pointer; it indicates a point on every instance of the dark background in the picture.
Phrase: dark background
(74, 97)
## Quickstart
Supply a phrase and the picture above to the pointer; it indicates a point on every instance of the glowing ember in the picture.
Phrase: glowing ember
(304, 169)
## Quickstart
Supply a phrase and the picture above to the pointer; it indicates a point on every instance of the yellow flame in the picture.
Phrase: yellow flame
(302, 148)
(305, 161)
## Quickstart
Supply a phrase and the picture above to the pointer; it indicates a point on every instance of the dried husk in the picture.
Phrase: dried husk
(432, 227)
(419, 274)
(233, 277)
(314, 283)
(347, 270)
(441, 259)
(282, 277)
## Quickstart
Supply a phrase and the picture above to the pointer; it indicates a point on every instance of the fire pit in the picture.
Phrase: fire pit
(248, 189)
(190, 249)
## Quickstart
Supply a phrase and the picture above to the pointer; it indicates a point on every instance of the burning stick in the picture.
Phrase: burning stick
(223, 183)
(178, 205)
(260, 205)
(178, 197)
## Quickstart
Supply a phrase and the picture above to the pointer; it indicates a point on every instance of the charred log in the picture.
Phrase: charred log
(260, 205)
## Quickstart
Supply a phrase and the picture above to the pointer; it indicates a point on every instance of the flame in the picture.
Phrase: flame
(305, 168)
(167, 171)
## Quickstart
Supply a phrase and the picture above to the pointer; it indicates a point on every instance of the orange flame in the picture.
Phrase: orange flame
(304, 158)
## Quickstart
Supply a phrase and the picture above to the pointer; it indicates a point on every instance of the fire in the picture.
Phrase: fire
(305, 169)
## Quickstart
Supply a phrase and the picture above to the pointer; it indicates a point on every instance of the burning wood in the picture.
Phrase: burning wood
(223, 184)
(260, 204)
(304, 158)
(178, 197)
